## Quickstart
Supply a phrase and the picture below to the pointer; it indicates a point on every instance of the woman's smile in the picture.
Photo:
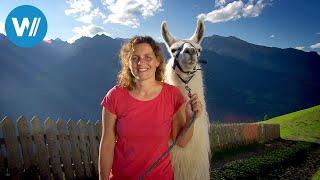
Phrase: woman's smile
(143, 69)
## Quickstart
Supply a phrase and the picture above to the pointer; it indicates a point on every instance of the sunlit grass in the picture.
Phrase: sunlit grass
(303, 125)
(316, 176)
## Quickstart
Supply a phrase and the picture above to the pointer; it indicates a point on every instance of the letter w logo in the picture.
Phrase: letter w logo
(26, 25)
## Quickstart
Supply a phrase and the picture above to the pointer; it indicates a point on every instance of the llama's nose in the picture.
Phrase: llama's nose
(190, 51)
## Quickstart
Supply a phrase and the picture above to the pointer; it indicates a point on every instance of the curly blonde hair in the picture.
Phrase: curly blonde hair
(125, 77)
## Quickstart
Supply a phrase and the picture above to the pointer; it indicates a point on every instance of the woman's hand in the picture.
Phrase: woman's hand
(196, 105)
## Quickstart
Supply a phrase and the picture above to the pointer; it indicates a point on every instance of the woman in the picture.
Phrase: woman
(141, 114)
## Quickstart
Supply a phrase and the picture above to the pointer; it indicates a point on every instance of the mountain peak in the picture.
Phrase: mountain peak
(81, 39)
(58, 40)
(102, 36)
(236, 39)
(224, 38)
(96, 37)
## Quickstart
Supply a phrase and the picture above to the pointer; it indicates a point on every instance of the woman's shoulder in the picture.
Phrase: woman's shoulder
(116, 89)
(170, 87)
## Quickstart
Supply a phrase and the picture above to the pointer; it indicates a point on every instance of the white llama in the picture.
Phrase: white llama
(192, 161)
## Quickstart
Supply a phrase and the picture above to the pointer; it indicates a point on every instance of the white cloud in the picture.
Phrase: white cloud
(299, 47)
(82, 10)
(318, 33)
(253, 10)
(230, 12)
(123, 19)
(219, 3)
(315, 46)
(234, 10)
(88, 17)
(126, 12)
(2, 28)
(88, 31)
(272, 36)
(78, 6)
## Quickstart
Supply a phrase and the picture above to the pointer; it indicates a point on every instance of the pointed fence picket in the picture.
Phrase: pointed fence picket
(65, 149)
(69, 150)
(14, 160)
(41, 148)
(49, 150)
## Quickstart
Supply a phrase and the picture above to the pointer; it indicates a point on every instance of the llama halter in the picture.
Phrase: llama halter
(191, 74)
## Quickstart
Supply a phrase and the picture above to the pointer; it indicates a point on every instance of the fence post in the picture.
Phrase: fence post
(13, 147)
(83, 146)
(27, 148)
(41, 149)
(98, 125)
(26, 142)
(93, 146)
(53, 148)
(65, 149)
(72, 128)
(211, 137)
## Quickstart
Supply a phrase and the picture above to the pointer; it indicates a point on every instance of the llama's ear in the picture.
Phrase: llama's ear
(198, 34)
(168, 38)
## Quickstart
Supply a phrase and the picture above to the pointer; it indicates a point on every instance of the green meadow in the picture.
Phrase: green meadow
(303, 125)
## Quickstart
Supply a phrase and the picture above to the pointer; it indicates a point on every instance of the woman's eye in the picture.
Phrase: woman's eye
(134, 58)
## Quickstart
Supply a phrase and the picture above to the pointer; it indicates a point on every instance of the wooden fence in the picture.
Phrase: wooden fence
(59, 150)
(224, 136)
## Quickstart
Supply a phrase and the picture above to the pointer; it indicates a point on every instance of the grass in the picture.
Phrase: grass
(303, 125)
(316, 176)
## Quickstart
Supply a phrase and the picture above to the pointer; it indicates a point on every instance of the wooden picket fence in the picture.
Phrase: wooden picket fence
(224, 136)
(59, 150)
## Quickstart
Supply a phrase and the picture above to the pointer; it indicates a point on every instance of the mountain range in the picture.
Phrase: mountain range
(244, 82)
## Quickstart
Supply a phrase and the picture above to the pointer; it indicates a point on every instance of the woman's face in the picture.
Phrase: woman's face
(143, 62)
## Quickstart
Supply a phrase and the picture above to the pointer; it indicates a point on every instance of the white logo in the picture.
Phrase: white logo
(26, 25)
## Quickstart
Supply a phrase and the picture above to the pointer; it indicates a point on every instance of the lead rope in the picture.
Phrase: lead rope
(147, 172)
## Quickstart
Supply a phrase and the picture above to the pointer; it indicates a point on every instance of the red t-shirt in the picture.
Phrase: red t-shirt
(143, 130)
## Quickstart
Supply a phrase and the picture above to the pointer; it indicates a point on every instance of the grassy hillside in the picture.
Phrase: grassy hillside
(303, 125)
(316, 176)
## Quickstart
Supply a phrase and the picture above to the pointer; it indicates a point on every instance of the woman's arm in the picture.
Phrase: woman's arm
(182, 117)
(107, 143)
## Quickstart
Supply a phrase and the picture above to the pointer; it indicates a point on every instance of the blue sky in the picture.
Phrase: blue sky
(274, 23)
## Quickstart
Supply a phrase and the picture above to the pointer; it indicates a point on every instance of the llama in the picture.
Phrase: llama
(192, 161)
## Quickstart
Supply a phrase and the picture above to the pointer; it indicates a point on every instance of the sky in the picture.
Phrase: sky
(273, 23)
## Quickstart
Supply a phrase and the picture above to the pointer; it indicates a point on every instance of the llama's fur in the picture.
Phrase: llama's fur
(192, 161)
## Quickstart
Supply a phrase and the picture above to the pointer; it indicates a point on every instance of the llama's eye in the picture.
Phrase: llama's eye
(173, 50)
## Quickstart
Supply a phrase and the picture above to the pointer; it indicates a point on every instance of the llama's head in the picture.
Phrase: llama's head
(185, 52)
